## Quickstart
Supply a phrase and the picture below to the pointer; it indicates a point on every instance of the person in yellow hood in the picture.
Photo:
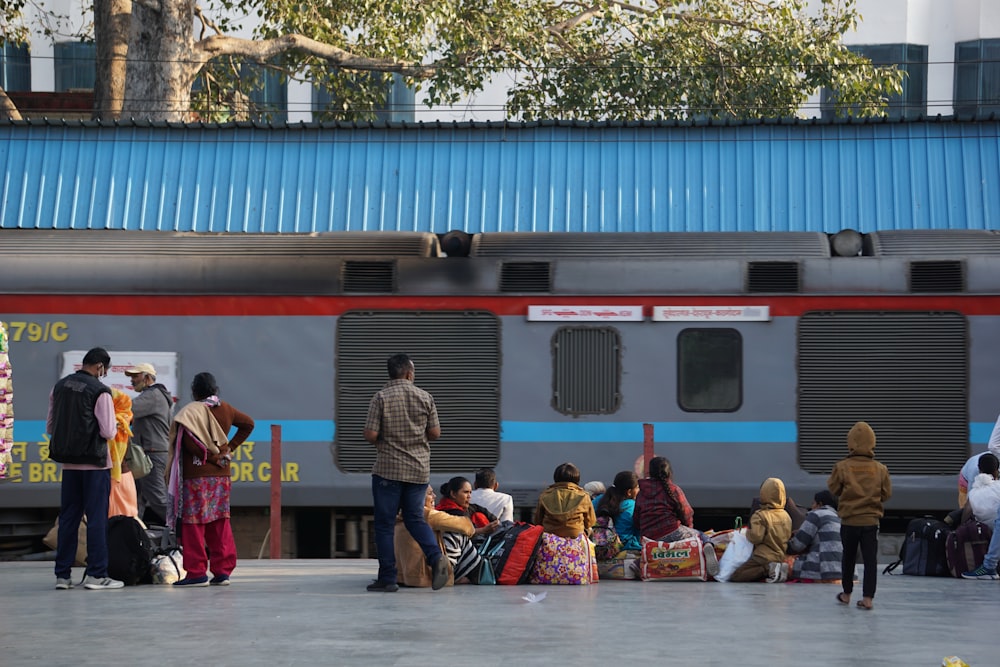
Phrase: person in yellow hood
(863, 484)
(769, 531)
(565, 508)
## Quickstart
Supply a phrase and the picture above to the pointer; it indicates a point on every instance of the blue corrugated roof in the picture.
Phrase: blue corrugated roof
(487, 177)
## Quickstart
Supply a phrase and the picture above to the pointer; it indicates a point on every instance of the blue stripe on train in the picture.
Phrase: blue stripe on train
(320, 430)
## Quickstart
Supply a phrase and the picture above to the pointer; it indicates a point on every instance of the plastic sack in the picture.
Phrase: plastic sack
(167, 568)
(737, 553)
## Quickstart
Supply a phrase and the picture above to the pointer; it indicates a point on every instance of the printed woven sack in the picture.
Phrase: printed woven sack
(683, 560)
(564, 560)
(623, 566)
(607, 544)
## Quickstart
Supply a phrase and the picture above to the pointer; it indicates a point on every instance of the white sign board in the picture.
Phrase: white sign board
(585, 313)
(165, 364)
(711, 313)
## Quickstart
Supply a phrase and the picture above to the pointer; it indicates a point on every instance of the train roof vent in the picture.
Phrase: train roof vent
(773, 277)
(937, 276)
(935, 242)
(369, 276)
(525, 277)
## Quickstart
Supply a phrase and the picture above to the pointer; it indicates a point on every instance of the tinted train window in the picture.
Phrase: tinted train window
(709, 370)
(457, 359)
(587, 370)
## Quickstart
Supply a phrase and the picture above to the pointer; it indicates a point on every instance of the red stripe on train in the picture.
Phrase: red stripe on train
(134, 305)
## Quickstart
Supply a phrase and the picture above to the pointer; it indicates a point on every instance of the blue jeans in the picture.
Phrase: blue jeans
(84, 492)
(390, 498)
(993, 552)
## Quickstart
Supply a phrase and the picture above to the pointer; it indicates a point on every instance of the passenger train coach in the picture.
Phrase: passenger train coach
(749, 354)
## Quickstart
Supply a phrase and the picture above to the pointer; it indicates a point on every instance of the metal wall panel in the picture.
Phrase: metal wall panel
(554, 177)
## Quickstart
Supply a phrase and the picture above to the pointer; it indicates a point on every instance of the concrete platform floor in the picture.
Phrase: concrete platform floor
(317, 612)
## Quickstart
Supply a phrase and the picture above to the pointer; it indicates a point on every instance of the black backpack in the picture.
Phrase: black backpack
(130, 551)
(923, 552)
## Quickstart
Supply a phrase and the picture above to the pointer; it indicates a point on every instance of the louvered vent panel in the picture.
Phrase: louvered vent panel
(587, 370)
(365, 276)
(525, 277)
(457, 359)
(937, 276)
(906, 374)
(773, 277)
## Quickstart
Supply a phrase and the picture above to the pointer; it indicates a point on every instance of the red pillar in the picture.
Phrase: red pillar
(275, 544)
(647, 448)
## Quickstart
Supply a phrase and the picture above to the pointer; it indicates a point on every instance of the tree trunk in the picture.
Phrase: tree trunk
(112, 20)
(7, 107)
(162, 61)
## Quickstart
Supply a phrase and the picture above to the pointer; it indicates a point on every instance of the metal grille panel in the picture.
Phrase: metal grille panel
(773, 277)
(457, 359)
(586, 372)
(525, 277)
(937, 276)
(906, 374)
(369, 277)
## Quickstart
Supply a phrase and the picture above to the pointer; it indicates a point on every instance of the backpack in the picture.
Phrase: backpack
(966, 548)
(923, 550)
(130, 551)
(513, 551)
(607, 543)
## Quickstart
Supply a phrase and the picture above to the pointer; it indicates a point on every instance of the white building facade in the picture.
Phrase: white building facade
(950, 50)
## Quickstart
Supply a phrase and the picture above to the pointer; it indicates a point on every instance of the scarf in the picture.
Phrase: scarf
(118, 445)
(195, 419)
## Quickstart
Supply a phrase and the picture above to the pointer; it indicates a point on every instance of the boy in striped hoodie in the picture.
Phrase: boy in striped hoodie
(818, 542)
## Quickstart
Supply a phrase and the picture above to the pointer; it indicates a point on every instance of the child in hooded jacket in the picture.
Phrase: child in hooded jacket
(565, 508)
(862, 485)
(769, 531)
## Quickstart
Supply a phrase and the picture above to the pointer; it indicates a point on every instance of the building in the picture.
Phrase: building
(950, 50)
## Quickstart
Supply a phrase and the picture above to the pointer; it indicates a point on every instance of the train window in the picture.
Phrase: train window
(710, 370)
(586, 370)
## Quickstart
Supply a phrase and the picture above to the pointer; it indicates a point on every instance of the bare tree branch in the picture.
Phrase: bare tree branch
(7, 107)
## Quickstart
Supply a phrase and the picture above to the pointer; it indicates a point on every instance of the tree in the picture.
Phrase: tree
(574, 59)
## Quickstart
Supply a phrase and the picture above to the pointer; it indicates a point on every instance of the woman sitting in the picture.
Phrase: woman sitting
(564, 508)
(662, 511)
(617, 503)
(458, 546)
(411, 563)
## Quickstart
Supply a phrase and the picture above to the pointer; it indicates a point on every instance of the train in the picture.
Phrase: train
(737, 355)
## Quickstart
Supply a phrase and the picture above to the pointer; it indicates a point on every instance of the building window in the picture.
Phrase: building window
(15, 68)
(75, 67)
(977, 77)
(267, 92)
(710, 370)
(397, 105)
(911, 59)
(586, 371)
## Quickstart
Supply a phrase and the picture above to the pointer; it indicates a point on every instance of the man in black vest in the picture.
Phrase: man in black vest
(80, 422)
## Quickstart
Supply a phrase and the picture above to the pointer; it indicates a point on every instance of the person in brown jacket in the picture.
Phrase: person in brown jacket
(565, 508)
(769, 531)
(411, 564)
(862, 484)
(198, 481)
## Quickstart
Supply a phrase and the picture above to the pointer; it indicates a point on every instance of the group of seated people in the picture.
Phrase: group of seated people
(654, 508)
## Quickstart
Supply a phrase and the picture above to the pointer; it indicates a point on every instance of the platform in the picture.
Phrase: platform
(317, 612)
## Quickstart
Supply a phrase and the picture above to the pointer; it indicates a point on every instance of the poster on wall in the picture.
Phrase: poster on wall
(165, 364)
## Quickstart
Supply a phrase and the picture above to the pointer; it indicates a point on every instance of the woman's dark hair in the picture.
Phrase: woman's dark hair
(566, 472)
(453, 485)
(204, 385)
(610, 503)
(659, 468)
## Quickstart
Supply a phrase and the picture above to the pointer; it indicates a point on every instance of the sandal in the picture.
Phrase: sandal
(844, 598)
(865, 604)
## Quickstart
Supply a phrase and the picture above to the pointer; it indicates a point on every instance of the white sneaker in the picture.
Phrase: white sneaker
(711, 560)
(63, 584)
(777, 573)
(95, 584)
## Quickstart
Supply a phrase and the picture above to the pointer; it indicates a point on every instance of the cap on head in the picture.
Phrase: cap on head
(139, 369)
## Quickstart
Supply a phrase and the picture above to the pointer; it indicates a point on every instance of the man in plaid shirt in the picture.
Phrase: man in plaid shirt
(402, 419)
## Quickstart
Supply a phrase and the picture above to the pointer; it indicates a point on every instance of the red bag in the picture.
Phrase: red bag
(520, 546)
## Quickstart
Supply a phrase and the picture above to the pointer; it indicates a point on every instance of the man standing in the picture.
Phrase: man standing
(501, 505)
(80, 422)
(402, 419)
(151, 411)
